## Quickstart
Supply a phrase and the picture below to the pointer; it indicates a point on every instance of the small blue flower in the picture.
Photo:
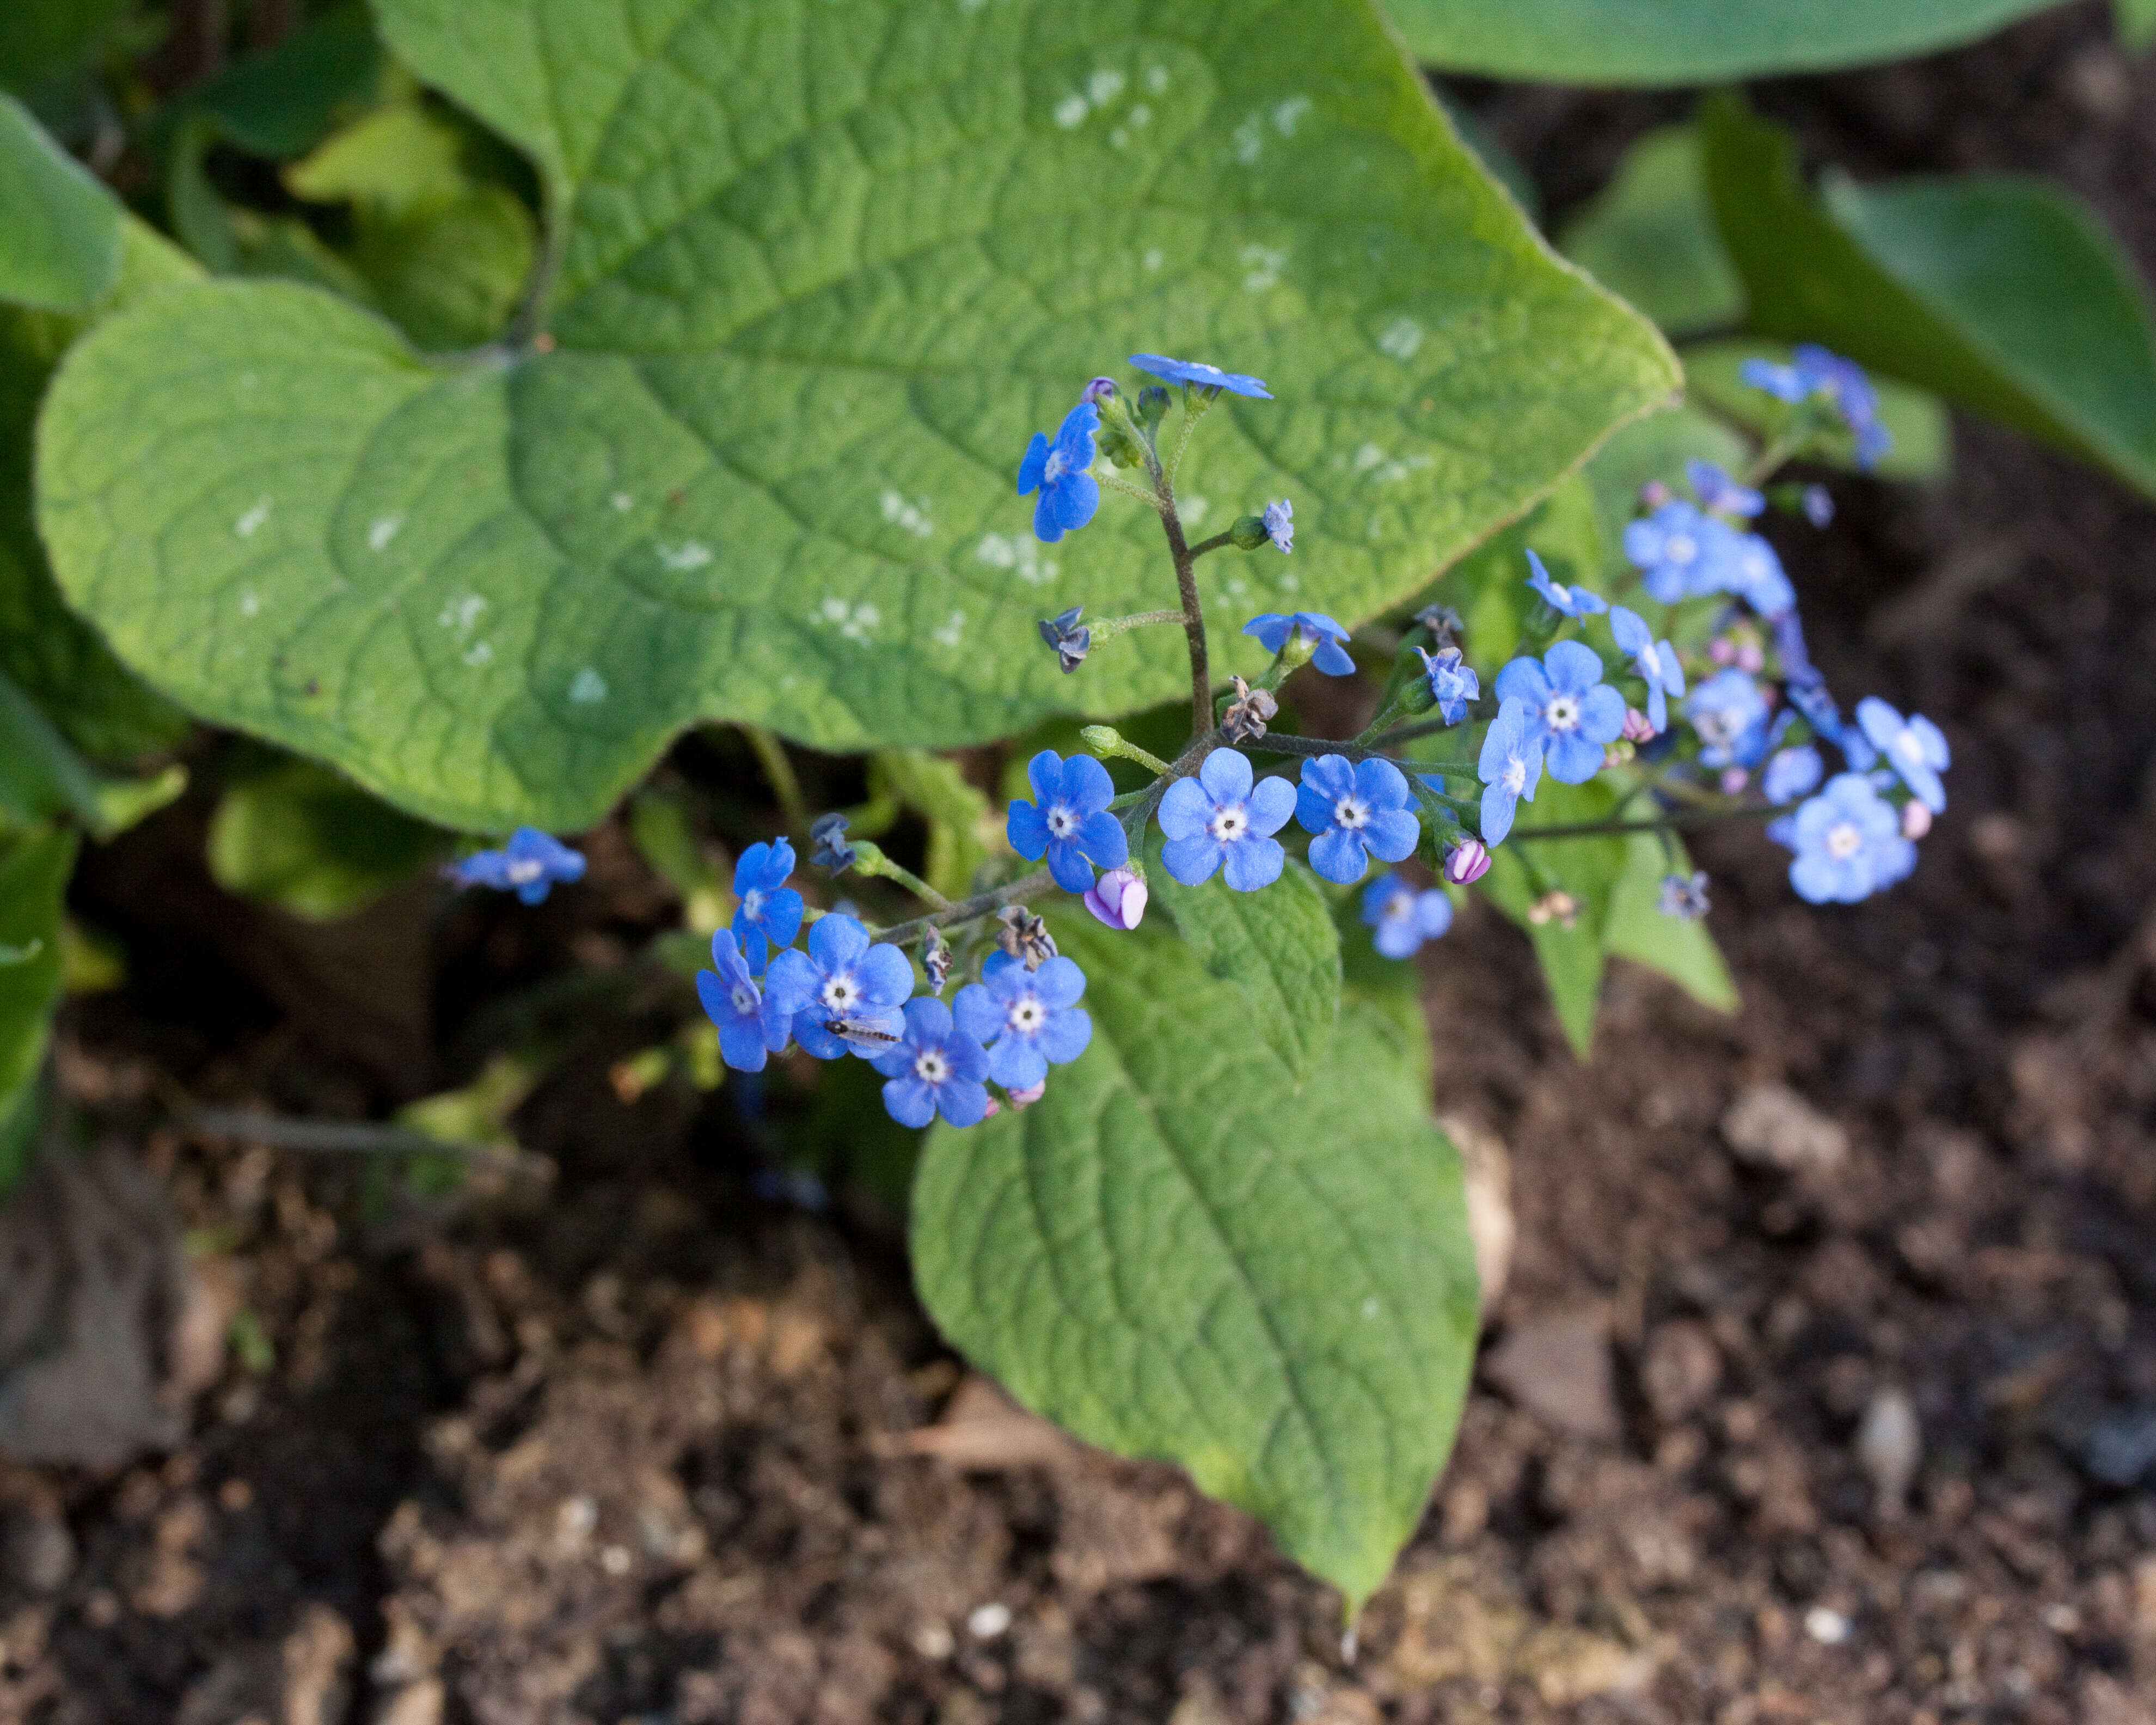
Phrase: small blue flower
(1355, 807)
(1656, 661)
(528, 865)
(1730, 715)
(1818, 503)
(1792, 773)
(1200, 375)
(1452, 684)
(1029, 1019)
(1567, 707)
(1402, 917)
(1071, 821)
(1221, 820)
(935, 1068)
(1783, 382)
(1683, 897)
(1273, 628)
(769, 914)
(1071, 639)
(1510, 768)
(1717, 491)
(1565, 601)
(1753, 573)
(1814, 371)
(752, 1025)
(1914, 747)
(827, 836)
(841, 980)
(1679, 552)
(1280, 524)
(1069, 493)
(1809, 696)
(1848, 841)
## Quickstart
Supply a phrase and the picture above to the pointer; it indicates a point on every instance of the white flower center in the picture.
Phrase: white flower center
(841, 993)
(744, 999)
(1717, 726)
(1061, 823)
(1515, 776)
(1843, 840)
(1563, 713)
(1230, 822)
(1028, 1015)
(1058, 464)
(930, 1066)
(1680, 548)
(1906, 745)
(752, 904)
(524, 871)
(1398, 907)
(1349, 811)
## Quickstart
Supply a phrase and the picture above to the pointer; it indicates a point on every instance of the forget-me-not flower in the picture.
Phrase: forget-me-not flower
(1813, 370)
(1069, 493)
(1452, 683)
(1071, 639)
(1848, 841)
(1567, 707)
(1401, 917)
(1220, 819)
(828, 845)
(1792, 773)
(1273, 628)
(1565, 601)
(769, 914)
(1717, 491)
(1656, 661)
(1914, 747)
(1199, 374)
(528, 865)
(752, 1024)
(1071, 821)
(842, 980)
(1279, 523)
(1029, 1019)
(1678, 550)
(1730, 715)
(1754, 573)
(1355, 807)
(934, 1068)
(1510, 768)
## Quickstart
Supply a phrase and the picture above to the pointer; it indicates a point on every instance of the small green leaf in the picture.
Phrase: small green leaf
(60, 229)
(35, 866)
(1669, 42)
(1651, 238)
(1276, 948)
(301, 838)
(1523, 872)
(1683, 951)
(1916, 419)
(1175, 1253)
(2003, 295)
(824, 265)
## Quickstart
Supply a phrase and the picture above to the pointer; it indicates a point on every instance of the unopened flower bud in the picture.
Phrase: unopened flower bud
(1722, 650)
(1118, 898)
(936, 958)
(829, 849)
(1638, 728)
(1104, 739)
(1153, 405)
(1655, 494)
(1028, 1095)
(1118, 445)
(1916, 820)
(1248, 713)
(1733, 780)
(1249, 533)
(1099, 390)
(1467, 862)
(1071, 639)
(1749, 658)
(1620, 752)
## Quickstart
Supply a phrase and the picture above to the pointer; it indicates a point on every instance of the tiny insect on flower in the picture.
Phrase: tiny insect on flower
(1070, 495)
(1200, 376)
(529, 865)
(934, 1069)
(842, 979)
(1272, 630)
(1565, 601)
(1070, 824)
(1566, 707)
(769, 914)
(1222, 819)
(1358, 810)
(1028, 1020)
(1401, 918)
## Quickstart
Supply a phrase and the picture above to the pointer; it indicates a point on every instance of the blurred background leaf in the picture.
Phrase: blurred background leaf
(1650, 236)
(296, 836)
(60, 229)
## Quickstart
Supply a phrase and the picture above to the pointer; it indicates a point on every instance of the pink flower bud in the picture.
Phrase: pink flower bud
(1466, 862)
(1722, 650)
(1118, 898)
(1916, 820)
(1027, 1097)
(1733, 780)
(1655, 494)
(994, 1109)
(1750, 657)
(1637, 729)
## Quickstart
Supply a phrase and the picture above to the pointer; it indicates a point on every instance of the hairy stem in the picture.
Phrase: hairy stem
(985, 904)
(771, 756)
(1193, 614)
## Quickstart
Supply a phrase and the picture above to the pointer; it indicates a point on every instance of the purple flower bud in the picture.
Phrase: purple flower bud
(1099, 390)
(1118, 898)
(1638, 727)
(1466, 862)
(1026, 1097)
(1916, 820)
(1655, 494)
(1733, 780)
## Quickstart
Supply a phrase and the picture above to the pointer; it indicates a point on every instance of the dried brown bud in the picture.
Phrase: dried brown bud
(1244, 720)
(1024, 935)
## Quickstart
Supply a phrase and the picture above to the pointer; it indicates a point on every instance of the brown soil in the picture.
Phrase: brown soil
(1881, 1410)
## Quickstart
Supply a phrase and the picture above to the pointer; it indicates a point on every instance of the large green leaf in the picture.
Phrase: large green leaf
(1662, 42)
(1176, 1254)
(33, 875)
(2002, 294)
(1277, 948)
(1650, 236)
(58, 660)
(1572, 949)
(1637, 928)
(823, 267)
(40, 38)
(59, 229)
(40, 776)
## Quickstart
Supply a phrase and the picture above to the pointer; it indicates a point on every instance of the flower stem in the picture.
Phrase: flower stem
(1193, 613)
(771, 756)
(1109, 627)
(868, 858)
(970, 910)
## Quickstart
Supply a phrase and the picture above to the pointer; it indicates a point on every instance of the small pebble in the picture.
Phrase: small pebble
(1889, 1446)
(1826, 1626)
(984, 1623)
(934, 1640)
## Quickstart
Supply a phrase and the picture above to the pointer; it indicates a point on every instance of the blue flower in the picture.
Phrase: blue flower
(1220, 820)
(1717, 491)
(1280, 524)
(1753, 573)
(1510, 768)
(1848, 841)
(1452, 684)
(1730, 715)
(1273, 628)
(935, 1068)
(528, 865)
(1069, 493)
(827, 834)
(1565, 601)
(1818, 503)
(1814, 371)
(1355, 807)
(1029, 1019)
(1567, 707)
(1679, 552)
(1071, 821)
(751, 1024)
(1656, 661)
(1200, 375)
(1914, 747)
(1402, 917)
(841, 980)
(1683, 897)
(1792, 773)
(769, 914)
(1783, 382)
(1071, 639)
